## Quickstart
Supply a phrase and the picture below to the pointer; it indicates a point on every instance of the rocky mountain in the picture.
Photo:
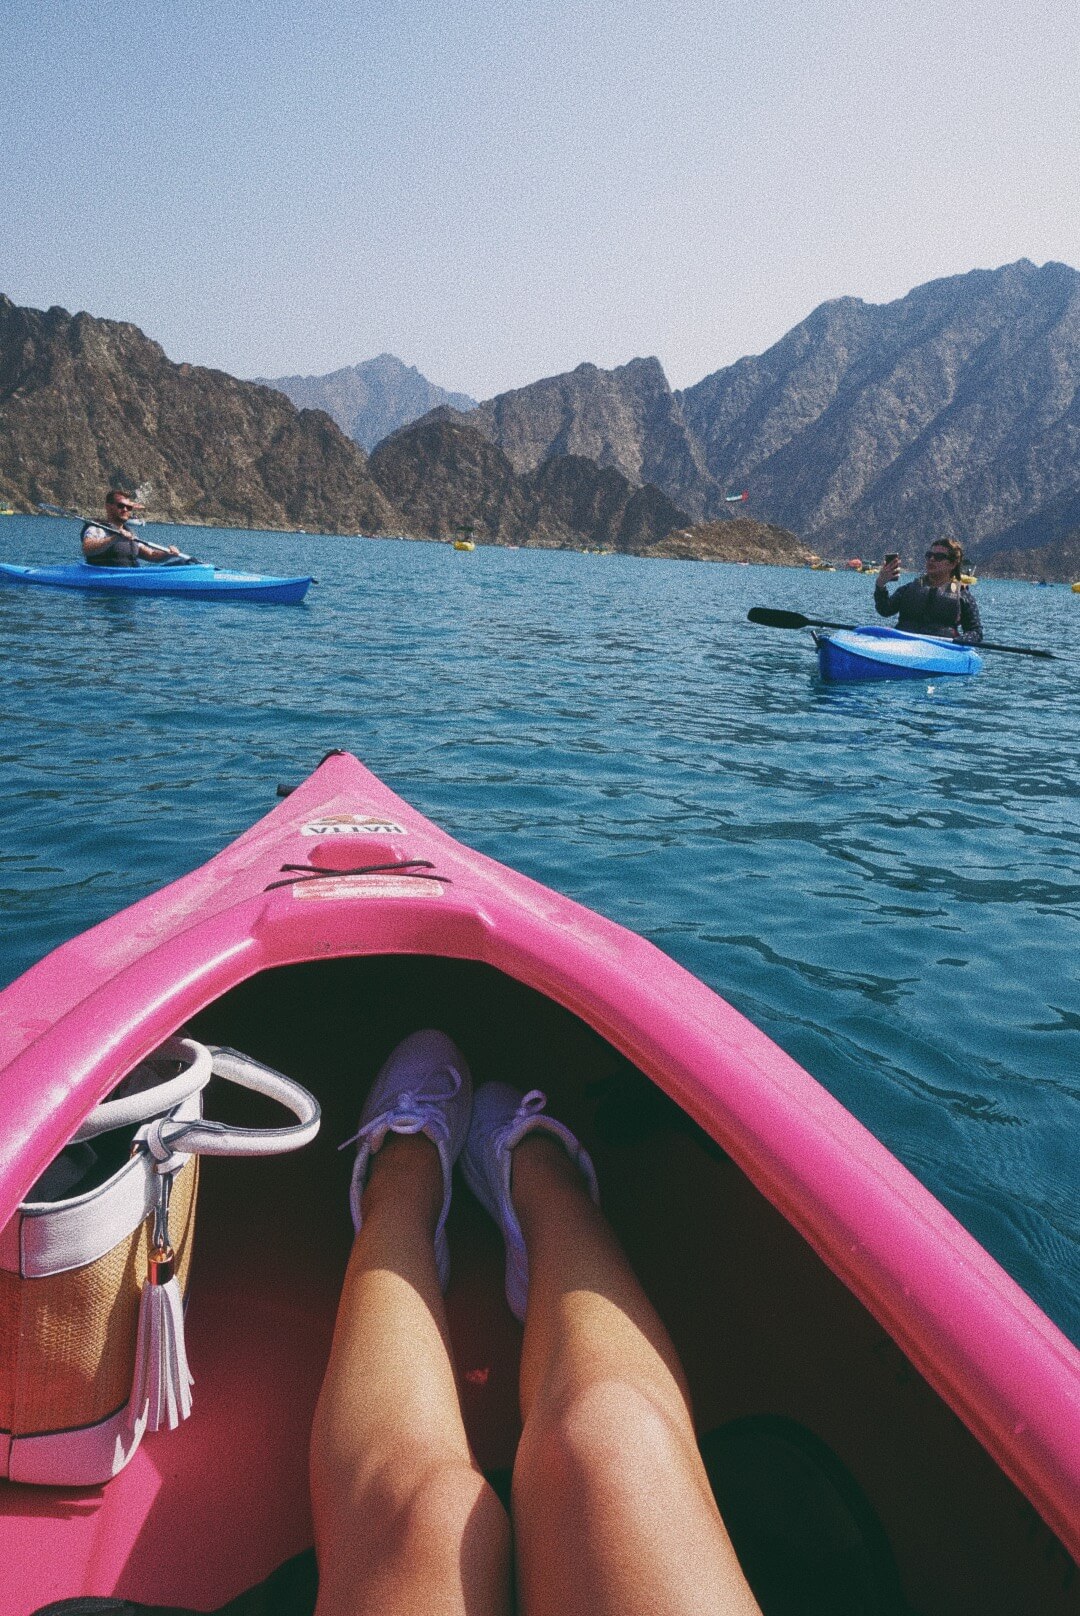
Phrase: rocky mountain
(370, 400)
(85, 403)
(1039, 563)
(627, 418)
(444, 475)
(955, 409)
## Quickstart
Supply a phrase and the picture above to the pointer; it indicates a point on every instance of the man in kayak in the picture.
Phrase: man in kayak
(937, 603)
(113, 544)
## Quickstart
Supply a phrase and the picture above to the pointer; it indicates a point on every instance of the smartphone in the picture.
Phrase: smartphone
(891, 555)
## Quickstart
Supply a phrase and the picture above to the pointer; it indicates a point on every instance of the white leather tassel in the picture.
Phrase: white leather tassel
(161, 1390)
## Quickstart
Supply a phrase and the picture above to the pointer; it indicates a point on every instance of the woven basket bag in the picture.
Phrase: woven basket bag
(94, 1267)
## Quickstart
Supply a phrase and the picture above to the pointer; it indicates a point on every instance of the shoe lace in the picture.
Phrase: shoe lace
(529, 1105)
(413, 1111)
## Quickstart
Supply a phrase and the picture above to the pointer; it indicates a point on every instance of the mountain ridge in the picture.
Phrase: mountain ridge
(86, 404)
(952, 410)
(627, 418)
(868, 426)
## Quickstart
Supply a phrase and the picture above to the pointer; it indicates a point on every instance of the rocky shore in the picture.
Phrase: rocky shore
(739, 539)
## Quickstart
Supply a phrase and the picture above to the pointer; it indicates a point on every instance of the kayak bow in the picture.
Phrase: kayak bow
(193, 581)
(344, 920)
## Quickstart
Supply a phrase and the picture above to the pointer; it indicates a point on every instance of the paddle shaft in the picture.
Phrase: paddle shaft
(117, 532)
(771, 618)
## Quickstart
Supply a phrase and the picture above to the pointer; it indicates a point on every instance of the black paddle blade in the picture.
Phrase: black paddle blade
(775, 619)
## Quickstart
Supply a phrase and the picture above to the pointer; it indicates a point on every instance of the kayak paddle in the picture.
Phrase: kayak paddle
(106, 527)
(777, 619)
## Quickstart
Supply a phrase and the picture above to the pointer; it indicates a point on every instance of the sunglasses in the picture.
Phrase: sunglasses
(121, 505)
(938, 555)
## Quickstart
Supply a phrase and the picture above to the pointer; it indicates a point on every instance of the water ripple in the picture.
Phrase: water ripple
(886, 879)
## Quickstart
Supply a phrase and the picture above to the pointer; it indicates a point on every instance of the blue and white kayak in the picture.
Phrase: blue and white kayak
(194, 581)
(878, 652)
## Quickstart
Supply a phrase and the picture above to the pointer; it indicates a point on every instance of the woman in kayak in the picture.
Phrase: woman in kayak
(612, 1510)
(113, 544)
(937, 603)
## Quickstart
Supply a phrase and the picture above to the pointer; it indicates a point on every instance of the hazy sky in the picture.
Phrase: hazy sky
(495, 190)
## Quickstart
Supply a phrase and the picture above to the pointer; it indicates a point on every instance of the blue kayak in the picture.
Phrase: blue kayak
(877, 652)
(194, 581)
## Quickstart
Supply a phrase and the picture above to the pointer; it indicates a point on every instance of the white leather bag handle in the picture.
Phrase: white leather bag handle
(148, 1108)
(146, 1103)
(170, 1136)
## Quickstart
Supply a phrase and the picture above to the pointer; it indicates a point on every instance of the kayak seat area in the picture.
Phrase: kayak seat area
(806, 1536)
(798, 1393)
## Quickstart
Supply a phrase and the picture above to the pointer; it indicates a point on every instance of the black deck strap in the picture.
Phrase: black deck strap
(364, 869)
(416, 868)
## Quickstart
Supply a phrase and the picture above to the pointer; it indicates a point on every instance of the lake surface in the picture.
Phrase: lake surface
(886, 878)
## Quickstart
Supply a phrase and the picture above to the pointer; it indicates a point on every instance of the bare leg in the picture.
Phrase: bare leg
(404, 1521)
(612, 1508)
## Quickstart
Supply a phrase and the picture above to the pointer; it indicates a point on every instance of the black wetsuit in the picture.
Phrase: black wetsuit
(925, 609)
(122, 552)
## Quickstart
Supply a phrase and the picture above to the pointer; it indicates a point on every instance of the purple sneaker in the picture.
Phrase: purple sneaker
(501, 1117)
(424, 1086)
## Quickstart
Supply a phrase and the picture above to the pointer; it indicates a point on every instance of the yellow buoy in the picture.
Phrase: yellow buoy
(464, 544)
(968, 578)
(1076, 589)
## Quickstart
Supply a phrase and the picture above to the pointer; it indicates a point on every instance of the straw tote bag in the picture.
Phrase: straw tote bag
(94, 1265)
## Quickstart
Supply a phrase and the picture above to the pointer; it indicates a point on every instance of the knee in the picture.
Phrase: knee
(451, 1498)
(607, 1439)
(414, 1526)
(414, 1511)
(438, 1503)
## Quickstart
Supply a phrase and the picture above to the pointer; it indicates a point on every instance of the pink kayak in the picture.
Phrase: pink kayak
(865, 1317)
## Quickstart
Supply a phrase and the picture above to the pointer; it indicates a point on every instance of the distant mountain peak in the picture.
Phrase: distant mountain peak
(369, 400)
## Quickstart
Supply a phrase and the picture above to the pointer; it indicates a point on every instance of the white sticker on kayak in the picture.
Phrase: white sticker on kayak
(366, 886)
(352, 825)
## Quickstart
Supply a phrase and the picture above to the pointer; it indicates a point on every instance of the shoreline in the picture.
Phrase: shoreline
(679, 545)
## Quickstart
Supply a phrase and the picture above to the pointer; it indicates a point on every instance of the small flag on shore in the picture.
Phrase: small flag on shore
(736, 499)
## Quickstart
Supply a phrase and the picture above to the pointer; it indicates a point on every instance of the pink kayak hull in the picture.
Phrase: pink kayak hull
(87, 1013)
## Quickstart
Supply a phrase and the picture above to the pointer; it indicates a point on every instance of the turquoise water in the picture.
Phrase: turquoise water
(886, 878)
